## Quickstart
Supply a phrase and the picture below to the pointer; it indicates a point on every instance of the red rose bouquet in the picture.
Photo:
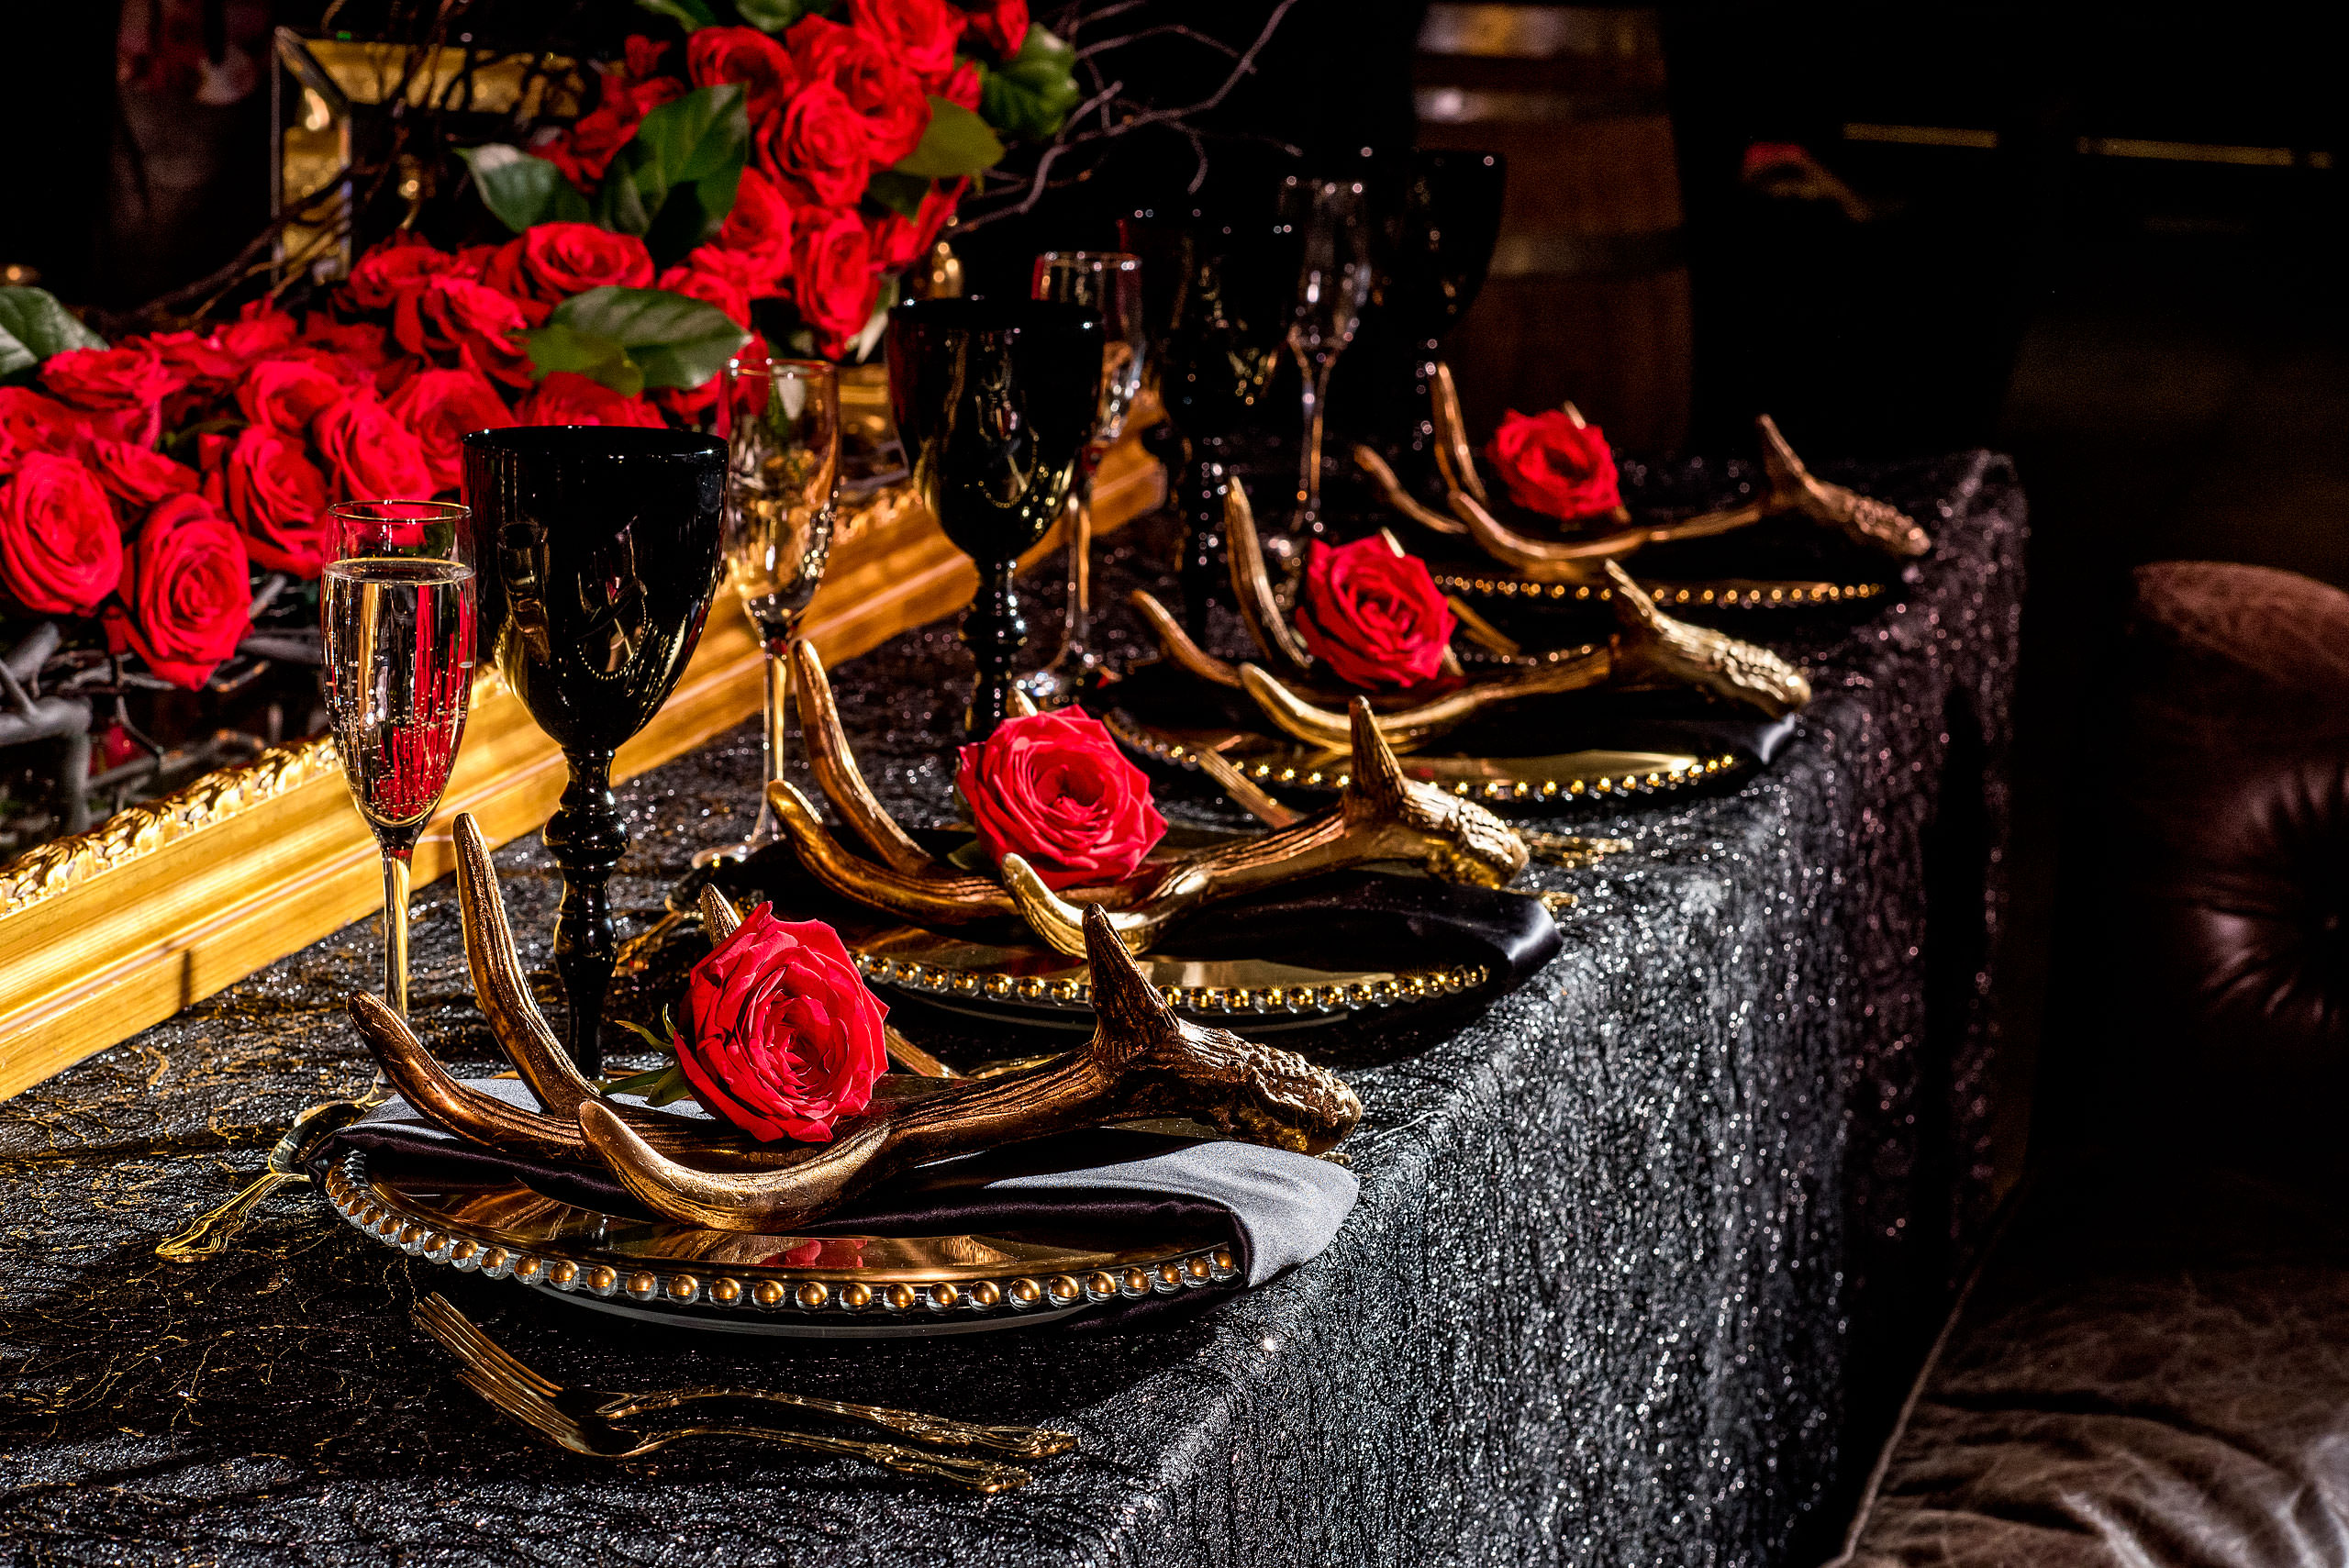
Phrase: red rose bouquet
(1373, 614)
(1556, 463)
(1053, 788)
(781, 1036)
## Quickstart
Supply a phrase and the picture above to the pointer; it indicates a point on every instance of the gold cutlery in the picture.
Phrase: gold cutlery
(208, 1236)
(458, 1334)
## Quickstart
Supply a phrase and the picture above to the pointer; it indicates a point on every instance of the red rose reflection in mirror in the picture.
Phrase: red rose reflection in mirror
(821, 1253)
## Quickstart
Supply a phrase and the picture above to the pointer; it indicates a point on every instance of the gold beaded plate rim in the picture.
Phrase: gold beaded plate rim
(1550, 780)
(1023, 1283)
(1722, 593)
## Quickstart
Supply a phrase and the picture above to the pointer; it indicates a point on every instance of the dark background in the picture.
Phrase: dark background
(1713, 221)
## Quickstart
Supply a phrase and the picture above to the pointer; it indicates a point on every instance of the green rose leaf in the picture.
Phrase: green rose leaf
(769, 16)
(675, 340)
(957, 143)
(520, 190)
(674, 181)
(559, 345)
(686, 13)
(34, 325)
(1030, 96)
(901, 194)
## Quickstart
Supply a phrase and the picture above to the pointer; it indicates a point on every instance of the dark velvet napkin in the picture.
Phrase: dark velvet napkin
(1277, 1209)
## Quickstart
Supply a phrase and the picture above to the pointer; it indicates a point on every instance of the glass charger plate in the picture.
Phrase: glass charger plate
(1564, 775)
(790, 1287)
(1724, 594)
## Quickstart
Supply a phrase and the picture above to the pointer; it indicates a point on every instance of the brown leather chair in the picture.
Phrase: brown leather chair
(2151, 1366)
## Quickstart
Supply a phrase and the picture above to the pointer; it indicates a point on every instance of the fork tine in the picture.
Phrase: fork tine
(484, 1350)
(527, 1411)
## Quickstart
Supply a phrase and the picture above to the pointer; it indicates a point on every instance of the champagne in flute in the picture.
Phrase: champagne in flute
(781, 419)
(397, 608)
(1325, 223)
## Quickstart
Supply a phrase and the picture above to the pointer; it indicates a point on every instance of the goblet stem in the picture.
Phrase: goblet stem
(1306, 524)
(396, 878)
(586, 838)
(994, 634)
(1056, 679)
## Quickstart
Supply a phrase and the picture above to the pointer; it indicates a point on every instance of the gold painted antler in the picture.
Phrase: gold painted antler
(930, 896)
(1142, 1062)
(1252, 586)
(1649, 649)
(1864, 519)
(1381, 815)
(836, 772)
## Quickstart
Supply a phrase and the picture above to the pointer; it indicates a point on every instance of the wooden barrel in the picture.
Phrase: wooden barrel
(1588, 299)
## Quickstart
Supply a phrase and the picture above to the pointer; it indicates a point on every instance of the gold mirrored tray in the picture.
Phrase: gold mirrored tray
(1565, 776)
(1726, 594)
(791, 1286)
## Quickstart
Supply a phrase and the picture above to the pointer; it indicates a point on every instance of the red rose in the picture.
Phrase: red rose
(554, 261)
(259, 329)
(898, 241)
(136, 477)
(568, 398)
(288, 394)
(391, 271)
(31, 423)
(1002, 27)
(443, 407)
(372, 455)
(964, 87)
(201, 363)
(1550, 462)
(187, 586)
(921, 33)
(714, 277)
(876, 84)
(1373, 614)
(782, 1036)
(718, 55)
(279, 500)
(834, 281)
(819, 147)
(61, 550)
(757, 234)
(476, 323)
(124, 387)
(1053, 788)
(587, 148)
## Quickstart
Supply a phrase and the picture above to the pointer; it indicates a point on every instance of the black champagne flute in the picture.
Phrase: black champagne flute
(995, 400)
(598, 548)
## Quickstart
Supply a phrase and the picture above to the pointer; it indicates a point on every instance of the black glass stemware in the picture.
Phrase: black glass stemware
(995, 400)
(1230, 325)
(598, 549)
(1449, 221)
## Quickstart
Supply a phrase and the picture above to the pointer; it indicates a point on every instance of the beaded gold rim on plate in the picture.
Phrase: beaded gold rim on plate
(1328, 997)
(1567, 776)
(1055, 1282)
(1725, 594)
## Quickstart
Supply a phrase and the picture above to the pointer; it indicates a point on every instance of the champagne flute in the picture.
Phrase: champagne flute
(1107, 284)
(781, 419)
(397, 607)
(1324, 223)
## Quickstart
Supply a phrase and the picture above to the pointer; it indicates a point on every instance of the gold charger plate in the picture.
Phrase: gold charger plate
(1725, 593)
(789, 1286)
(1565, 776)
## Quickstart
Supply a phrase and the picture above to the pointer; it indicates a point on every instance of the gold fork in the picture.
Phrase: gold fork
(590, 1408)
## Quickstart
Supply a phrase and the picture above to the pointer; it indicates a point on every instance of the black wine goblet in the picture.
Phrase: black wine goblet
(1449, 222)
(1230, 324)
(995, 400)
(598, 548)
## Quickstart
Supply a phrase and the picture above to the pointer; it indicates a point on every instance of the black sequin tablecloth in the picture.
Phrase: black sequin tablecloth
(1638, 1252)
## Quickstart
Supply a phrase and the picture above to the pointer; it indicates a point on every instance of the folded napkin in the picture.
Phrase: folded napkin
(1277, 1209)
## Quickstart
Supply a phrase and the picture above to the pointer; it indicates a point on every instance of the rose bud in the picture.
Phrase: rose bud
(60, 549)
(1053, 787)
(718, 55)
(136, 477)
(279, 500)
(443, 407)
(1371, 615)
(288, 394)
(1549, 464)
(566, 397)
(820, 146)
(372, 455)
(834, 281)
(188, 590)
(782, 1036)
